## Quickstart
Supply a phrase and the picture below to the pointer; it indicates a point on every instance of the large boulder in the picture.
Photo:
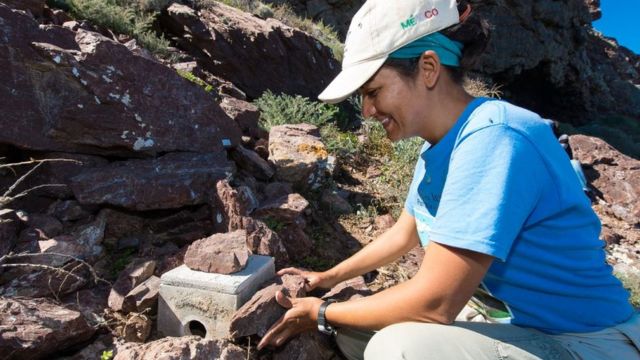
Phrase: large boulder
(253, 53)
(181, 348)
(171, 181)
(55, 77)
(36, 328)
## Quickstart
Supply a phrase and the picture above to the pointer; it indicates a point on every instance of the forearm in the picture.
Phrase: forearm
(446, 280)
(389, 246)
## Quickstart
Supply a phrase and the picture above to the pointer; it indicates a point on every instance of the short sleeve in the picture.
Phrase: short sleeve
(493, 185)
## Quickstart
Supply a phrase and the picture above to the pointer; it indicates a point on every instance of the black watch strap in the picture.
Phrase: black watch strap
(323, 326)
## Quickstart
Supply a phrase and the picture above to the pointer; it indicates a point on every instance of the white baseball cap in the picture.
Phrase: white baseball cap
(379, 28)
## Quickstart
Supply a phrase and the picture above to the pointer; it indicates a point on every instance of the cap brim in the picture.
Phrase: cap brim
(349, 80)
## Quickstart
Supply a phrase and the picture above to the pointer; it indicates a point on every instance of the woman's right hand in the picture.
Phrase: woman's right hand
(312, 279)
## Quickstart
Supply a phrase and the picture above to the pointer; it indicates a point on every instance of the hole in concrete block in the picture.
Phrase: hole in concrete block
(197, 328)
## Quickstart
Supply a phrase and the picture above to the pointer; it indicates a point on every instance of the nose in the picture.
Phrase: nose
(368, 108)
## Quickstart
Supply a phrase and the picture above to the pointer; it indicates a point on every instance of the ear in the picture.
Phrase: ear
(430, 68)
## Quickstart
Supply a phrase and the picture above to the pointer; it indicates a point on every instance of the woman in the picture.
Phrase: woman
(494, 201)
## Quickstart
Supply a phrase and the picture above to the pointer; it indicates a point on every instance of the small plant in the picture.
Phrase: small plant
(106, 355)
(196, 80)
(121, 261)
(631, 282)
(274, 224)
(286, 109)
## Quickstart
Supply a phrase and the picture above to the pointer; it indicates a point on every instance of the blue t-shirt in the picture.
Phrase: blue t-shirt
(499, 183)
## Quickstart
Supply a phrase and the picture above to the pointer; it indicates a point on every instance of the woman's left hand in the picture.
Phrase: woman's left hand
(301, 316)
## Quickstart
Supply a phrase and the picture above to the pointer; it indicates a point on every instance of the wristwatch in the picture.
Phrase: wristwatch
(323, 327)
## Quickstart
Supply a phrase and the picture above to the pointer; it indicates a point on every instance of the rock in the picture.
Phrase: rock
(298, 154)
(257, 315)
(48, 225)
(84, 243)
(9, 223)
(179, 348)
(349, 289)
(246, 115)
(334, 203)
(307, 346)
(143, 298)
(104, 342)
(68, 210)
(296, 241)
(132, 276)
(252, 53)
(137, 105)
(615, 177)
(284, 209)
(171, 181)
(219, 253)
(264, 241)
(36, 7)
(37, 328)
(277, 190)
(121, 224)
(182, 227)
(252, 163)
(90, 302)
(384, 222)
(61, 172)
(234, 208)
(137, 328)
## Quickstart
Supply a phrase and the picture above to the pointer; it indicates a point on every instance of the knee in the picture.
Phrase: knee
(404, 341)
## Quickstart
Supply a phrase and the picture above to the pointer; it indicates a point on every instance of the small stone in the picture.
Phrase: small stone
(284, 209)
(384, 222)
(133, 275)
(335, 203)
(144, 297)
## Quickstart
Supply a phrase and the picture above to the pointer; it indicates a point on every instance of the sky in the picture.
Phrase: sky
(620, 21)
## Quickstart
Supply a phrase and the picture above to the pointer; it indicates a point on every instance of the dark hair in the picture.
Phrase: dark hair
(472, 31)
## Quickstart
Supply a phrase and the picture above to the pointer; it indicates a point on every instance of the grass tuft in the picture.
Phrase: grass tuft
(286, 109)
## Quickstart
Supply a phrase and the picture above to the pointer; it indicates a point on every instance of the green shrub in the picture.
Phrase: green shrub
(286, 109)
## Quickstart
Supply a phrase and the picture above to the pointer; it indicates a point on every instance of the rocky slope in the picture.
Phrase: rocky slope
(141, 163)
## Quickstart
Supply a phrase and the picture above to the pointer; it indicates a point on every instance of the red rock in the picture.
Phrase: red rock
(264, 241)
(234, 208)
(37, 328)
(219, 253)
(91, 302)
(257, 315)
(284, 209)
(132, 276)
(277, 190)
(171, 181)
(181, 348)
(246, 115)
(307, 346)
(84, 243)
(182, 227)
(252, 163)
(137, 105)
(143, 298)
(298, 154)
(296, 241)
(137, 328)
(614, 176)
(252, 53)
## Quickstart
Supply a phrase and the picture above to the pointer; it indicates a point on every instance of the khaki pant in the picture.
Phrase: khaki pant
(478, 341)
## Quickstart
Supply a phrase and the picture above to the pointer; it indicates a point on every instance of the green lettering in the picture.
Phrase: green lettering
(409, 23)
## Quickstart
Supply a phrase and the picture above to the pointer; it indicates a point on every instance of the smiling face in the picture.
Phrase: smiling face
(397, 102)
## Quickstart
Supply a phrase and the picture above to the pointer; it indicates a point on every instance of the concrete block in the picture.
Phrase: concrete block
(199, 303)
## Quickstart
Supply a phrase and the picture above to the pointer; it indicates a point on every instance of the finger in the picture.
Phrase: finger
(283, 300)
(282, 337)
(290, 271)
(275, 328)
